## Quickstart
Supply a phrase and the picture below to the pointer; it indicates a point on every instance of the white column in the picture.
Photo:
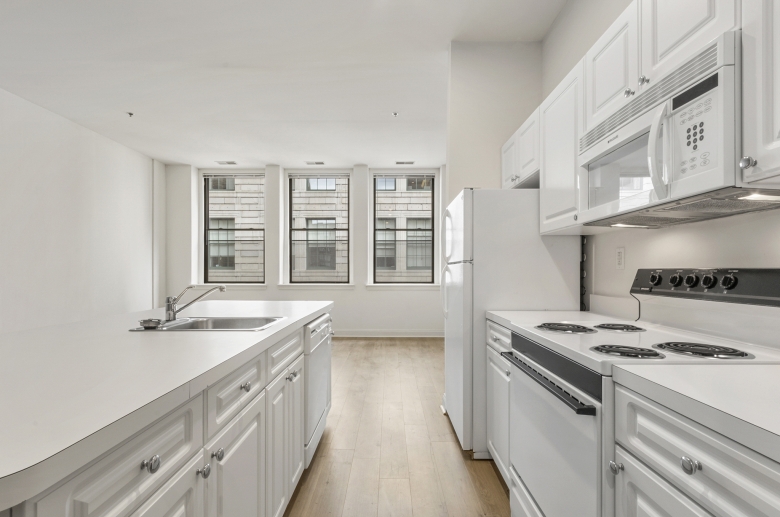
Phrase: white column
(181, 227)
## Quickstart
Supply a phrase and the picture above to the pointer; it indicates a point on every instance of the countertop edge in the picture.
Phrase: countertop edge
(17, 487)
(752, 436)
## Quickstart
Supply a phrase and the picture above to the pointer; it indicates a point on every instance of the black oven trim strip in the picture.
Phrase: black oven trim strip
(573, 403)
(579, 376)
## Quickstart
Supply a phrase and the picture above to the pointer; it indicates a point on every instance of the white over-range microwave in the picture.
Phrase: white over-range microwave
(673, 154)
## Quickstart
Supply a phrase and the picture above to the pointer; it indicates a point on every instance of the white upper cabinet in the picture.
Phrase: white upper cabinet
(761, 87)
(612, 68)
(674, 30)
(520, 156)
(560, 125)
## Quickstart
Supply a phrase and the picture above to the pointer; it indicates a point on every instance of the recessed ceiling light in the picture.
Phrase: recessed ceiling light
(315, 163)
(226, 162)
(404, 163)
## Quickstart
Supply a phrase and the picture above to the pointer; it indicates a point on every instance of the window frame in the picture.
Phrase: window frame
(206, 178)
(373, 230)
(288, 178)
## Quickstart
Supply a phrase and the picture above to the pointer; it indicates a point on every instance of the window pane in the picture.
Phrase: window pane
(403, 230)
(319, 235)
(235, 231)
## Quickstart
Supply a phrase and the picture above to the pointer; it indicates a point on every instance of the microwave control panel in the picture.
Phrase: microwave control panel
(695, 136)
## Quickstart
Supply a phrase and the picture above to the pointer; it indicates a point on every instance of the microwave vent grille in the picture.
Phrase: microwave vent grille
(705, 61)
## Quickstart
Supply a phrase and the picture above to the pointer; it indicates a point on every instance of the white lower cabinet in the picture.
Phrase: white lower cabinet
(498, 371)
(296, 416)
(181, 496)
(640, 492)
(520, 501)
(237, 455)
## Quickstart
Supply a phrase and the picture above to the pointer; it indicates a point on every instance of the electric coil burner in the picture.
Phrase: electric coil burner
(619, 327)
(628, 351)
(702, 350)
(566, 328)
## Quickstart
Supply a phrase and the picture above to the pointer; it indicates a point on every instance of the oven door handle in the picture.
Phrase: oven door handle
(656, 174)
(573, 404)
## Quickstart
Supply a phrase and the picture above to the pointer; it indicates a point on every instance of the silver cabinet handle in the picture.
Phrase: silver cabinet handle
(747, 162)
(332, 332)
(290, 377)
(689, 465)
(246, 386)
(205, 471)
(615, 468)
(219, 454)
(495, 339)
(643, 80)
(514, 177)
(507, 372)
(152, 465)
(628, 92)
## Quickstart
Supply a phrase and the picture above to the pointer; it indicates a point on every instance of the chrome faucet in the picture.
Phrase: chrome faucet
(171, 302)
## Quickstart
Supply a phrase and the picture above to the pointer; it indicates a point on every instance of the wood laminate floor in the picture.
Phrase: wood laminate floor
(387, 449)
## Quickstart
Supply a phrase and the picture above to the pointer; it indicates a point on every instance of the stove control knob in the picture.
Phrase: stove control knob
(709, 281)
(728, 282)
(691, 280)
(675, 280)
(655, 279)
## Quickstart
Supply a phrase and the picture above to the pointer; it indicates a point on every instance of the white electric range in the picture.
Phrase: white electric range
(562, 395)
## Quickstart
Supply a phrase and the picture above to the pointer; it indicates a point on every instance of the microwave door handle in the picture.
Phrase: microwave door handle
(572, 403)
(656, 174)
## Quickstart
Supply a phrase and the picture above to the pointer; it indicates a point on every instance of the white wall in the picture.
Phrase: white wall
(577, 27)
(76, 211)
(493, 88)
(360, 309)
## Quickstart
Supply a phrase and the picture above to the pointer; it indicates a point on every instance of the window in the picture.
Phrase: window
(403, 229)
(321, 184)
(234, 222)
(319, 229)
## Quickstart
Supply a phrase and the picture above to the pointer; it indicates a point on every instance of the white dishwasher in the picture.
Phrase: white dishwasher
(317, 351)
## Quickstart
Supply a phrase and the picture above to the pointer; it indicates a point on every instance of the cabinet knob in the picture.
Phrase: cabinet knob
(514, 177)
(628, 92)
(643, 80)
(219, 454)
(290, 377)
(246, 386)
(615, 468)
(747, 162)
(689, 466)
(205, 471)
(152, 465)
(507, 372)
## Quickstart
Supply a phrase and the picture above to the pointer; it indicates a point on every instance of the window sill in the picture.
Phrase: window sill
(403, 287)
(240, 287)
(308, 287)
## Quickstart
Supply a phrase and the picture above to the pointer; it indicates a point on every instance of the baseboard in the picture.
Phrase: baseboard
(367, 333)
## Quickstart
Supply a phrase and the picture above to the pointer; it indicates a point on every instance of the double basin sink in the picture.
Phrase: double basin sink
(211, 323)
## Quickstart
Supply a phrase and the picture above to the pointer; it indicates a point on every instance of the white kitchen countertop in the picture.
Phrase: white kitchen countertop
(739, 401)
(61, 385)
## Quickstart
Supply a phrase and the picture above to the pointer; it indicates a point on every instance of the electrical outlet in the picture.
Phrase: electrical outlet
(620, 258)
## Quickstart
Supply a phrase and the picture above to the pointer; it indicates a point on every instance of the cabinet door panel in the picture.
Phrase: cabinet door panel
(639, 492)
(237, 482)
(761, 87)
(560, 123)
(277, 450)
(498, 411)
(611, 68)
(673, 31)
(283, 353)
(527, 153)
(181, 496)
(508, 162)
(227, 397)
(296, 424)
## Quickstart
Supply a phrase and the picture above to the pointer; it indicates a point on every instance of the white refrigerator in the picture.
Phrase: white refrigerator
(494, 259)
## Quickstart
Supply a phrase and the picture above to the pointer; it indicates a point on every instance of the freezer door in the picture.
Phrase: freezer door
(457, 228)
(456, 283)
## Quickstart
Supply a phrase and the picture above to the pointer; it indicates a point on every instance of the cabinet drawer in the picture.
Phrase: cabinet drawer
(733, 481)
(182, 496)
(283, 353)
(639, 491)
(499, 337)
(520, 500)
(316, 332)
(118, 483)
(229, 396)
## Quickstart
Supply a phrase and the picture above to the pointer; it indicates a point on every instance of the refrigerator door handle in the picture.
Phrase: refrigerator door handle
(443, 290)
(447, 236)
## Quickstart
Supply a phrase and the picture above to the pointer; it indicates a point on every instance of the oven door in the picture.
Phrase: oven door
(555, 441)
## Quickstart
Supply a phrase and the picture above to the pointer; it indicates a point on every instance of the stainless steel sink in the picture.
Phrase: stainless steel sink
(216, 323)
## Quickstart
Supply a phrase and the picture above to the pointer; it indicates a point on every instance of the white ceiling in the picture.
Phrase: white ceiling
(258, 81)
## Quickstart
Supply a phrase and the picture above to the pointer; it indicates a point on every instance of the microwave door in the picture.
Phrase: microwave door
(621, 179)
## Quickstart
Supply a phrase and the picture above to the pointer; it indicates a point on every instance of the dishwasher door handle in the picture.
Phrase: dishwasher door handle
(573, 404)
